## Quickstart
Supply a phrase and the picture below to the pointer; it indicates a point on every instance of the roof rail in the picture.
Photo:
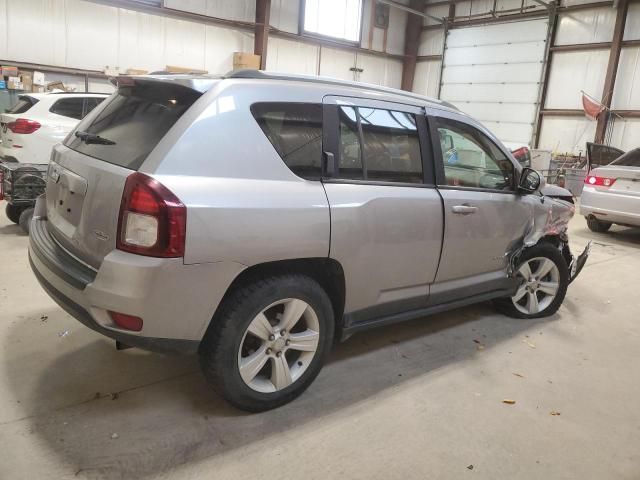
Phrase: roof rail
(261, 75)
(74, 93)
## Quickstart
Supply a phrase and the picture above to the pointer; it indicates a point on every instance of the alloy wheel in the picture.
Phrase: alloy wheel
(539, 284)
(279, 345)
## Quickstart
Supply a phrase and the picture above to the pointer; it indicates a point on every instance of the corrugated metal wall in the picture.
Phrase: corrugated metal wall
(573, 72)
(85, 35)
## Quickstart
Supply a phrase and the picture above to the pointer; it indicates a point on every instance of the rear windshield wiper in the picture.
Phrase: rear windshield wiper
(89, 138)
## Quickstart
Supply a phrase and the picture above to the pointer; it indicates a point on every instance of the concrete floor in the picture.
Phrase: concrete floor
(418, 400)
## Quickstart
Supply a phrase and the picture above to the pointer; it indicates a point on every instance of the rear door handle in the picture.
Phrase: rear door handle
(464, 209)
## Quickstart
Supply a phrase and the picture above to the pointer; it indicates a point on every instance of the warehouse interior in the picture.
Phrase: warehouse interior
(467, 392)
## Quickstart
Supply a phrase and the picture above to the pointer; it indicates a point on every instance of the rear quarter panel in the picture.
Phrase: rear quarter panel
(243, 203)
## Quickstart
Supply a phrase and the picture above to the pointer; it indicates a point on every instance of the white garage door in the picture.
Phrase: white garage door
(493, 73)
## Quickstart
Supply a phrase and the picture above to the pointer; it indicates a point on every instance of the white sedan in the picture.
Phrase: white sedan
(38, 121)
(611, 193)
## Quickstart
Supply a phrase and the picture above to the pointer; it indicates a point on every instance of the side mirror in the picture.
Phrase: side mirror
(530, 180)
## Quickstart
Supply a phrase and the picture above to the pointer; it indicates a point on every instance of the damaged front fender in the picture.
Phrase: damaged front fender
(550, 216)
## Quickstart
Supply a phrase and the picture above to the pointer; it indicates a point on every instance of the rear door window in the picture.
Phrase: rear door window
(132, 123)
(379, 145)
(69, 107)
(295, 131)
(23, 104)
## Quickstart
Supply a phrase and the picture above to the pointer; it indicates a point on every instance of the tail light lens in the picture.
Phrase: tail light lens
(1, 185)
(152, 220)
(23, 126)
(522, 152)
(599, 181)
(127, 322)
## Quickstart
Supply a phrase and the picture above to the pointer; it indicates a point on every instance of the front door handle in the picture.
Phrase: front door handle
(464, 209)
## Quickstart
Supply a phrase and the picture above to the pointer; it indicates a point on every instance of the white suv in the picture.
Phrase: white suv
(38, 121)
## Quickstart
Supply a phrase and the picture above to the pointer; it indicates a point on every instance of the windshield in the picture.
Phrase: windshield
(132, 122)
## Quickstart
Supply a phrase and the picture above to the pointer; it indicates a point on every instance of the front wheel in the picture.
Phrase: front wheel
(268, 342)
(543, 277)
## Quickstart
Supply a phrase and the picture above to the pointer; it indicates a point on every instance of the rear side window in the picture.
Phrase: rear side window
(91, 103)
(629, 159)
(23, 104)
(295, 131)
(379, 145)
(69, 107)
(132, 122)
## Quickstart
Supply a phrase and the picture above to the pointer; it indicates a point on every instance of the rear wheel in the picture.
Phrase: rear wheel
(268, 342)
(25, 219)
(13, 212)
(596, 225)
(543, 277)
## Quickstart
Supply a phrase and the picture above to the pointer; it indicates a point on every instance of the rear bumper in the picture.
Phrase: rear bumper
(610, 207)
(175, 301)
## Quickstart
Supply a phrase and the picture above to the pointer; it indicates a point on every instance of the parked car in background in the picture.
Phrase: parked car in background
(611, 193)
(256, 218)
(38, 121)
(520, 152)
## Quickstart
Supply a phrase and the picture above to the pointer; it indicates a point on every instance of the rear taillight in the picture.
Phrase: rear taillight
(152, 220)
(522, 152)
(23, 126)
(599, 181)
(127, 322)
(1, 185)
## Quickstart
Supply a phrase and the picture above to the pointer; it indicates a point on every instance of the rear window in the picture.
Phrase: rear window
(295, 131)
(132, 122)
(629, 159)
(23, 104)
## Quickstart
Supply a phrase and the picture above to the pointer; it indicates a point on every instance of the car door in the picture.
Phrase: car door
(485, 218)
(386, 214)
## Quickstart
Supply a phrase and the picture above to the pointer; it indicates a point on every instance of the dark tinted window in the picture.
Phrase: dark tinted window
(295, 131)
(69, 107)
(23, 104)
(135, 119)
(91, 103)
(380, 145)
(629, 159)
(471, 159)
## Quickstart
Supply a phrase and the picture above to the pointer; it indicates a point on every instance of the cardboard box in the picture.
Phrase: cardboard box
(57, 85)
(174, 69)
(27, 80)
(244, 61)
(38, 78)
(8, 71)
(14, 83)
(136, 71)
(39, 89)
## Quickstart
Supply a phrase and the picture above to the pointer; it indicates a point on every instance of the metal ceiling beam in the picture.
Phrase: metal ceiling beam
(414, 11)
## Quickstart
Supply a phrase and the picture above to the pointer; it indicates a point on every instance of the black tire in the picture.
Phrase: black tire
(25, 219)
(13, 212)
(222, 342)
(545, 250)
(596, 225)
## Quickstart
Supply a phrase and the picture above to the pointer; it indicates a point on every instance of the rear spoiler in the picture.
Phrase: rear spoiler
(199, 83)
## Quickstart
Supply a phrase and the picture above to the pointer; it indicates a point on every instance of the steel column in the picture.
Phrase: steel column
(612, 69)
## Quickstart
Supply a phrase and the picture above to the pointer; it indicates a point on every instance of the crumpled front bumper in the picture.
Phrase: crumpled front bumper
(577, 263)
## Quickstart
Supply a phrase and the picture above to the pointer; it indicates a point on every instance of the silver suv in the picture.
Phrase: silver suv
(255, 218)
